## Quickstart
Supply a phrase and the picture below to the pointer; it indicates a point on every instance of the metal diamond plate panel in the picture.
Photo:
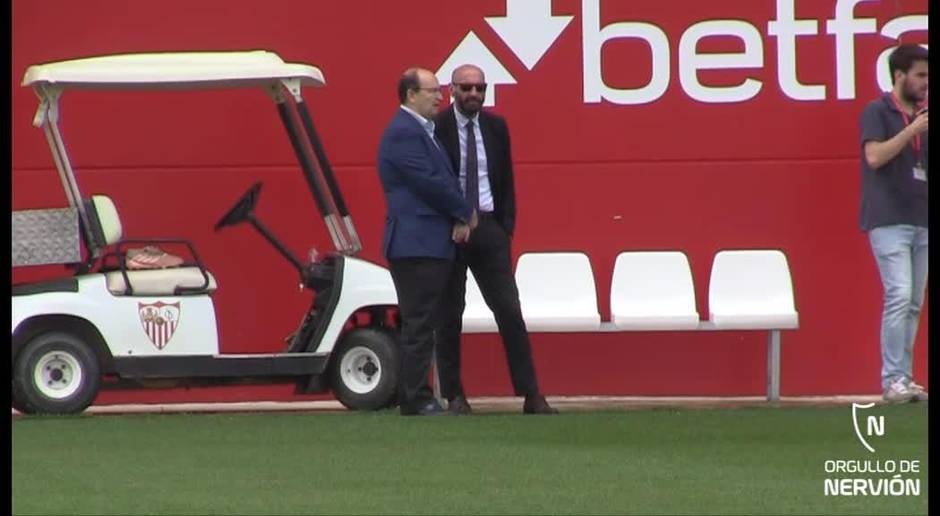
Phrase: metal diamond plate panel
(42, 237)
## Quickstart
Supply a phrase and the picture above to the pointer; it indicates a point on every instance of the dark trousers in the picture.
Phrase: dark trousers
(488, 255)
(420, 284)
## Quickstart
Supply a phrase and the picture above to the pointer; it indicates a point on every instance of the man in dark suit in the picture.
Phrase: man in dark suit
(478, 145)
(426, 215)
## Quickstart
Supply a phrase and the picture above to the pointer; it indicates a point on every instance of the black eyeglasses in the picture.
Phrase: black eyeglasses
(466, 88)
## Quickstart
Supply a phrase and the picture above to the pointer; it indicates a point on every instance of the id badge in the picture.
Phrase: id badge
(920, 173)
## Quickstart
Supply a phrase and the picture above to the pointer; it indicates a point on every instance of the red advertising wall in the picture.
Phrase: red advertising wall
(628, 134)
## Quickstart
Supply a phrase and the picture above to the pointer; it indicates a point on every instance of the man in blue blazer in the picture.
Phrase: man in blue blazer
(426, 216)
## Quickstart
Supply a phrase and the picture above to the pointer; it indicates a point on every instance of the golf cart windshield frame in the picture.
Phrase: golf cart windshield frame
(195, 71)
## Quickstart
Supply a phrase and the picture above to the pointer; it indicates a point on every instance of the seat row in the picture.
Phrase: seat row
(651, 291)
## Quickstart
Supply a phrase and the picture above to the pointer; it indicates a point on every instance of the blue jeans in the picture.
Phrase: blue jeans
(901, 253)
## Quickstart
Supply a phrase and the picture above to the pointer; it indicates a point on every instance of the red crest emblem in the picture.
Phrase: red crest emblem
(160, 321)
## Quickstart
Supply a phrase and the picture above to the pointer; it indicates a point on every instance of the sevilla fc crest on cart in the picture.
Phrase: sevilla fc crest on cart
(160, 321)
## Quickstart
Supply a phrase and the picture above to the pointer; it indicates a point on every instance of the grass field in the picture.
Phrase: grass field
(661, 461)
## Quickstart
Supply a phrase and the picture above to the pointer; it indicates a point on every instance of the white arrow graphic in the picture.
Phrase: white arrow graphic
(472, 51)
(529, 29)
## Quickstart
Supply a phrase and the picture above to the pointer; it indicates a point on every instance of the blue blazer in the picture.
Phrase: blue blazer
(422, 193)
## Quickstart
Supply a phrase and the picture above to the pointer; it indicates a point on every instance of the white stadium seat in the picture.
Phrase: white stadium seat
(557, 292)
(653, 291)
(751, 290)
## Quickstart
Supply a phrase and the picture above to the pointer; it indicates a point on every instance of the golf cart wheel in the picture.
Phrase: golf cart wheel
(55, 373)
(364, 369)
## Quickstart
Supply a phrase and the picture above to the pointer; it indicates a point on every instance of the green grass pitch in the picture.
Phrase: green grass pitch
(654, 461)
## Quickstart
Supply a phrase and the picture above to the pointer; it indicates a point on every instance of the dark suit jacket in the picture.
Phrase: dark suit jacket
(422, 193)
(498, 159)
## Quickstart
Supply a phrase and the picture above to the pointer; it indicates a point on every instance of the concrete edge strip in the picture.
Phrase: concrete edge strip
(491, 404)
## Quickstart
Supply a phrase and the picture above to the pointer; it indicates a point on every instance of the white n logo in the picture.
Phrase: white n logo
(876, 425)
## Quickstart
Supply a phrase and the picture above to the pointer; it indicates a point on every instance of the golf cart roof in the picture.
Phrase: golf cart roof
(168, 70)
(193, 71)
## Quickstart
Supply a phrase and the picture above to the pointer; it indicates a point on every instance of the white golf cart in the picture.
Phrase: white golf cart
(111, 325)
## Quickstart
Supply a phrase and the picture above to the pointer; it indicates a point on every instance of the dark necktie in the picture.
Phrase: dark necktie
(473, 178)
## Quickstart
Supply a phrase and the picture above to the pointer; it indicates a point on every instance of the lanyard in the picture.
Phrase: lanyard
(915, 143)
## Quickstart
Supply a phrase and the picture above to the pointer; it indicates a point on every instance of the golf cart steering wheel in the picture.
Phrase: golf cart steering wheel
(242, 209)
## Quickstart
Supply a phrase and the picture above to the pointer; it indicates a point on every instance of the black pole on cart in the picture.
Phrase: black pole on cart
(305, 163)
(320, 152)
(309, 167)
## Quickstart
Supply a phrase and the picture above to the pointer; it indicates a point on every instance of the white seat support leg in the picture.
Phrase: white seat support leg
(773, 365)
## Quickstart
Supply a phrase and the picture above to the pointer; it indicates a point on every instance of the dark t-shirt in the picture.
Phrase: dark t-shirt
(891, 194)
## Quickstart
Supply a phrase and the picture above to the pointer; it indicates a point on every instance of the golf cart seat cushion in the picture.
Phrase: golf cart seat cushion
(108, 220)
(158, 282)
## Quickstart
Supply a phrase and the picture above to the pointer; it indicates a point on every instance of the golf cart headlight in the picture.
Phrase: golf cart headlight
(318, 275)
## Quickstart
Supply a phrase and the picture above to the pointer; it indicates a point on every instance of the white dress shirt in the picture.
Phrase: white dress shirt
(486, 195)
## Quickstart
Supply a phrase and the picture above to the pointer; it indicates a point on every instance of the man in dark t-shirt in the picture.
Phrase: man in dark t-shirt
(894, 212)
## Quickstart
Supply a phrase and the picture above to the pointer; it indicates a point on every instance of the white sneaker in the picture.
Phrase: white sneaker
(919, 393)
(899, 392)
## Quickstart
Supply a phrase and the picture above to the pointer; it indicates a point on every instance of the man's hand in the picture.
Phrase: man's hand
(919, 124)
(460, 233)
(877, 153)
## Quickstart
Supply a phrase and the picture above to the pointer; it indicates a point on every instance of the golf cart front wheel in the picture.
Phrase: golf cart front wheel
(364, 369)
(55, 373)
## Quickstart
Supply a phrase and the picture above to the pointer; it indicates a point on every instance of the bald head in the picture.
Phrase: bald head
(465, 71)
(468, 88)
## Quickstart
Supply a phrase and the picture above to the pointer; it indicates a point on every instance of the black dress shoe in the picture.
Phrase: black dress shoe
(432, 408)
(459, 406)
(536, 404)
